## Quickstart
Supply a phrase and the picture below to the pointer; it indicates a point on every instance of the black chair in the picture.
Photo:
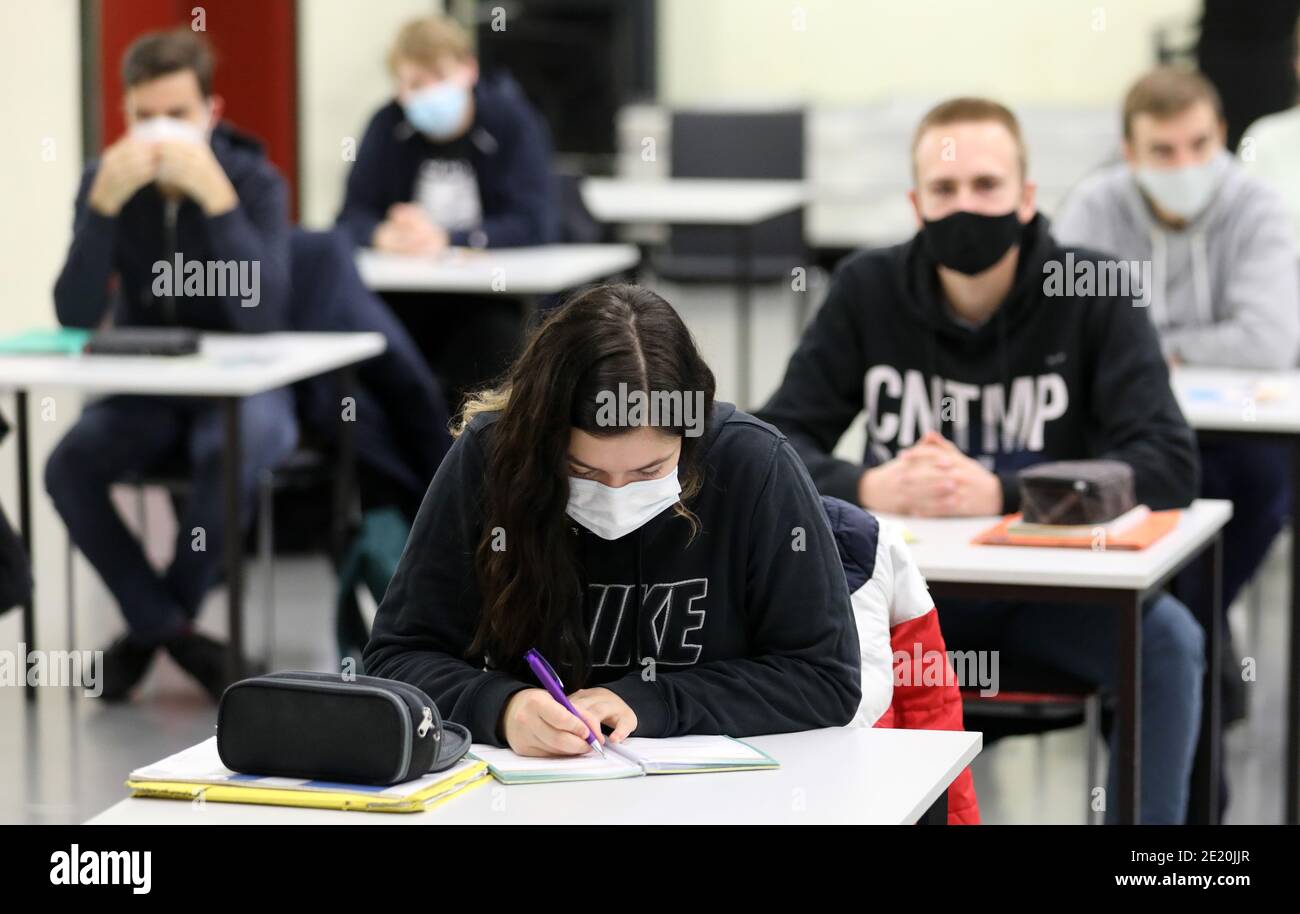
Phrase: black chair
(738, 145)
(754, 145)
(1034, 701)
(308, 468)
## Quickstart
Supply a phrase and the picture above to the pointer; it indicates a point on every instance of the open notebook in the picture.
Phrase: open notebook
(632, 758)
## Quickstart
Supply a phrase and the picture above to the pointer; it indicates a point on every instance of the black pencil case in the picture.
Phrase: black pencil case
(1076, 492)
(318, 726)
(144, 341)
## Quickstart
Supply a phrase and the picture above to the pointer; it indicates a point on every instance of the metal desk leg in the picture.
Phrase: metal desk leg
(937, 814)
(1207, 605)
(23, 444)
(232, 459)
(745, 291)
(345, 469)
(1291, 814)
(1130, 709)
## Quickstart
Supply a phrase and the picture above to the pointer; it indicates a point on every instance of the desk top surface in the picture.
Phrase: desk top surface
(542, 270)
(836, 775)
(228, 364)
(691, 200)
(943, 552)
(1238, 400)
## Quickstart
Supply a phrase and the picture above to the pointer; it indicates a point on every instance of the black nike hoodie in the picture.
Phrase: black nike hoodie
(749, 623)
(1046, 377)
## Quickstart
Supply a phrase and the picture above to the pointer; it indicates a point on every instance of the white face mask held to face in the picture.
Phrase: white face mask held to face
(1186, 191)
(613, 513)
(169, 129)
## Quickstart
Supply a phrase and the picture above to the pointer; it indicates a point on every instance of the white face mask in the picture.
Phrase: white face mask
(169, 129)
(613, 513)
(1185, 191)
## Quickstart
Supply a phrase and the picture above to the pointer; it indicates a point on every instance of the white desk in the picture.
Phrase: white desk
(1231, 400)
(838, 775)
(957, 569)
(944, 554)
(227, 368)
(1227, 403)
(691, 201)
(542, 270)
(737, 204)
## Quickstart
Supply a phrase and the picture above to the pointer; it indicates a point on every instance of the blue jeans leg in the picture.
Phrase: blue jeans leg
(1256, 477)
(112, 438)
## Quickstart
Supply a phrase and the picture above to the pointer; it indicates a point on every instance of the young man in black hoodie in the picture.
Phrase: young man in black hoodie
(179, 186)
(971, 365)
(456, 159)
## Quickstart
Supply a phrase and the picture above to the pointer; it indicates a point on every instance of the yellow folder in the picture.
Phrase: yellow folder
(458, 783)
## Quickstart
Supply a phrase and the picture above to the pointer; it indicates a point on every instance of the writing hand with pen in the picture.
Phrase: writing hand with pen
(546, 722)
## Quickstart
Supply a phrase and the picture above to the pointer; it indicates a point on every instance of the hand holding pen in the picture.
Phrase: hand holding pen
(547, 722)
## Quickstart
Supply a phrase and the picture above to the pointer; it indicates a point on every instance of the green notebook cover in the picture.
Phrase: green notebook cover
(59, 341)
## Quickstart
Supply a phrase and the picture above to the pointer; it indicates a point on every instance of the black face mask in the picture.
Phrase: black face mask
(968, 242)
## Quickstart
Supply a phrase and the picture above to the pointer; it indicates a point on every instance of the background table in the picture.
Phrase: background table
(1228, 403)
(954, 567)
(836, 775)
(227, 368)
(527, 271)
(736, 204)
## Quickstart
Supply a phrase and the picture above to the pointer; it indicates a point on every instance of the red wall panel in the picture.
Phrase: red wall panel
(254, 42)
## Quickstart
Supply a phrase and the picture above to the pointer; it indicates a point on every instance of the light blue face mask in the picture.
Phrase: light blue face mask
(1188, 190)
(437, 110)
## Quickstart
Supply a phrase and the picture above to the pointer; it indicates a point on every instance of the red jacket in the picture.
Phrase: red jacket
(897, 624)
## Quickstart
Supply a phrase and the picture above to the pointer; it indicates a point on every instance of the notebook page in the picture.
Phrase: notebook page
(507, 762)
(691, 750)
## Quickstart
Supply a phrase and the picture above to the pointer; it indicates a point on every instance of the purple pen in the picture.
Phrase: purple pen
(551, 682)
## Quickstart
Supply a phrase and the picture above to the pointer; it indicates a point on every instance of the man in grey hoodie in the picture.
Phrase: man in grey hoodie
(1223, 288)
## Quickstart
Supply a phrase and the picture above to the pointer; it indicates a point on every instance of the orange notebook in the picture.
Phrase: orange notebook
(1156, 525)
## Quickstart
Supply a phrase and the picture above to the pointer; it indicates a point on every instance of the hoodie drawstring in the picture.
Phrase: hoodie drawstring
(640, 601)
(1201, 278)
(1159, 278)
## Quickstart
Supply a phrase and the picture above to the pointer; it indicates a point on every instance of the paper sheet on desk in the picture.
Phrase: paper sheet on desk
(1253, 391)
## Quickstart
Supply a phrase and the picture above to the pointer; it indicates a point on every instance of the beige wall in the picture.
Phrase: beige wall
(39, 49)
(40, 162)
(342, 80)
(1066, 51)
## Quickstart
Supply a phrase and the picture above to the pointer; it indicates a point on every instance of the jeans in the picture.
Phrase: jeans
(122, 435)
(1256, 477)
(1083, 641)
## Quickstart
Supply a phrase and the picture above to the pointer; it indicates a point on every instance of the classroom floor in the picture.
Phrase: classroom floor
(65, 759)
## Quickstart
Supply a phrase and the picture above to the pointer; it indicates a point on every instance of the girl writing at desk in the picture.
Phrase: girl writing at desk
(673, 562)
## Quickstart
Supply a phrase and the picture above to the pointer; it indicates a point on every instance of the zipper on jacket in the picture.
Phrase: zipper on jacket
(171, 209)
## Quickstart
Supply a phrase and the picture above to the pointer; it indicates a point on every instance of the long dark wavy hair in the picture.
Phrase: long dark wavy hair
(603, 337)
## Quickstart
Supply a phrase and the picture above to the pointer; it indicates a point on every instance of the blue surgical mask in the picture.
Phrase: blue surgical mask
(437, 110)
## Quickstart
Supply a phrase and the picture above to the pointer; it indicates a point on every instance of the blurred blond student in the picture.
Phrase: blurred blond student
(457, 157)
